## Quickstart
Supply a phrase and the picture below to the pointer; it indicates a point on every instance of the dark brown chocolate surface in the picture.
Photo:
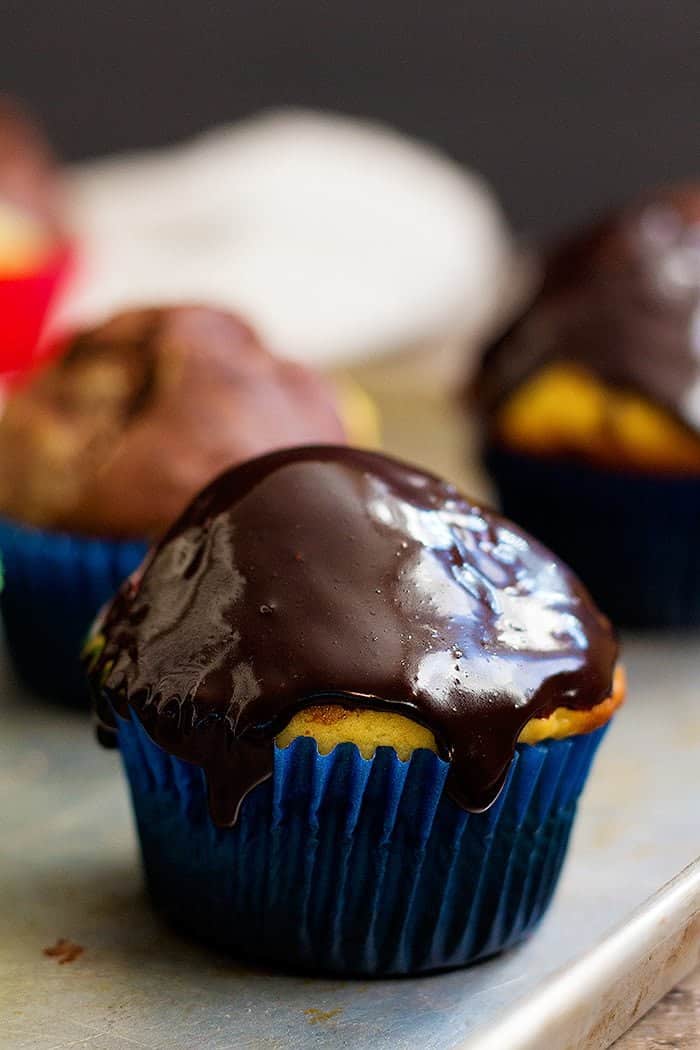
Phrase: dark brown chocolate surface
(620, 299)
(328, 572)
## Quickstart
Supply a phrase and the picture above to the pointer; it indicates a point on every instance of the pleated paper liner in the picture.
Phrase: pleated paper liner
(25, 302)
(54, 586)
(345, 865)
(632, 538)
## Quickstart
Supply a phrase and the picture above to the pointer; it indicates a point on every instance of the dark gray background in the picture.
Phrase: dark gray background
(564, 106)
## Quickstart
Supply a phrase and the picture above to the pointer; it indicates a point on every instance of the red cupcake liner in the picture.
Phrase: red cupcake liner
(25, 301)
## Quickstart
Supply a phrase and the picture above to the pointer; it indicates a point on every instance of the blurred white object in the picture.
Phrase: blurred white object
(338, 238)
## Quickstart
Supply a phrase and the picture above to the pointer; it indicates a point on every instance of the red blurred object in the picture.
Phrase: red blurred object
(25, 301)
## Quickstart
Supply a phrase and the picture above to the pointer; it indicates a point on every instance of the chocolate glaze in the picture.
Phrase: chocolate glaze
(620, 299)
(326, 572)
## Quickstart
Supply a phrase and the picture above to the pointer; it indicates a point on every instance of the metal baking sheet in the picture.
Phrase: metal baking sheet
(69, 869)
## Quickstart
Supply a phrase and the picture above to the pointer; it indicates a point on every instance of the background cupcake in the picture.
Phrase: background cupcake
(103, 448)
(356, 712)
(590, 405)
(34, 250)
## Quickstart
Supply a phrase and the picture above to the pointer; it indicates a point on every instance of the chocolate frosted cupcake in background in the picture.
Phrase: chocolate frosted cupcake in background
(29, 177)
(103, 448)
(34, 252)
(356, 711)
(590, 405)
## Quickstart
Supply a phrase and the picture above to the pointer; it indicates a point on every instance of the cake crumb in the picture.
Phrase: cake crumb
(319, 1016)
(64, 951)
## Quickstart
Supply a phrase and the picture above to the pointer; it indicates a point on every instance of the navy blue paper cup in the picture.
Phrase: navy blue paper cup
(344, 865)
(54, 586)
(631, 538)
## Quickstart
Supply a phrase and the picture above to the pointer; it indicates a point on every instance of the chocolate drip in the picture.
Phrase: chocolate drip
(621, 300)
(320, 573)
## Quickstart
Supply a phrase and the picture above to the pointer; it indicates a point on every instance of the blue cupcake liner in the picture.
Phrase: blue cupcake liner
(632, 538)
(345, 865)
(54, 586)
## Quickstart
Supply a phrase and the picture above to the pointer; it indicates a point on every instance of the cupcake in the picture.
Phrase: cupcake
(103, 448)
(356, 711)
(34, 252)
(590, 406)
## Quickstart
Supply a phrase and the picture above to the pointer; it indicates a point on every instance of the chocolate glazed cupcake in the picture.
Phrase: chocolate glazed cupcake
(356, 711)
(590, 407)
(102, 449)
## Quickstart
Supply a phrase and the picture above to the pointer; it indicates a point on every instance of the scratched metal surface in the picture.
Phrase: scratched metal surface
(69, 868)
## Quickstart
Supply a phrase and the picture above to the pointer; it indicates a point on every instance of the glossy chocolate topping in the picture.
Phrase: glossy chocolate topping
(622, 300)
(328, 572)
